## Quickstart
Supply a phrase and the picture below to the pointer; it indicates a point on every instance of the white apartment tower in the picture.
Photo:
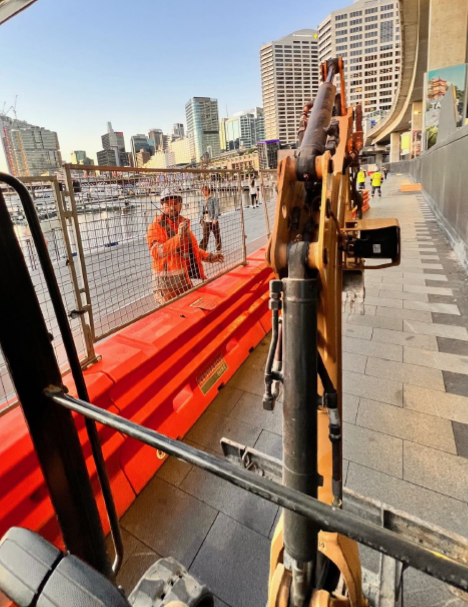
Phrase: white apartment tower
(290, 78)
(367, 35)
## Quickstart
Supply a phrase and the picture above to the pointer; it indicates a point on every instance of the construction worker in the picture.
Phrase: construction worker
(177, 258)
(376, 182)
(361, 178)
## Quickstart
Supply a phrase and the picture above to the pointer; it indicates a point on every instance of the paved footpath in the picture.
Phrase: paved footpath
(405, 431)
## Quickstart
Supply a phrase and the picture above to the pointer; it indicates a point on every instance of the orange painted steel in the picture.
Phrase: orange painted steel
(151, 372)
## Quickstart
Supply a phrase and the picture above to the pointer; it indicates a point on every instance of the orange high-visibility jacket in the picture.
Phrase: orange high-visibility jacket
(170, 253)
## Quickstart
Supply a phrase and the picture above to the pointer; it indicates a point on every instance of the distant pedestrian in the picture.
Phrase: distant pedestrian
(385, 172)
(253, 194)
(376, 181)
(209, 218)
(361, 179)
(177, 258)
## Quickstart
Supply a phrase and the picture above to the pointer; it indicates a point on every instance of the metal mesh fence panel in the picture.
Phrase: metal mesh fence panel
(149, 237)
(44, 192)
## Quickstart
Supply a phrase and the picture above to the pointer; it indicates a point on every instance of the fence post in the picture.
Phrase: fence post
(244, 237)
(88, 329)
(265, 209)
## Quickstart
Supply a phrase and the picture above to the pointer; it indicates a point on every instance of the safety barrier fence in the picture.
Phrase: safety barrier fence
(117, 252)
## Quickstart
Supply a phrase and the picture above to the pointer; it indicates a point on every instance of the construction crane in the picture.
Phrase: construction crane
(317, 251)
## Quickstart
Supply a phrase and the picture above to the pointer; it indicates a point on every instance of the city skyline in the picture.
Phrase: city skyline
(75, 94)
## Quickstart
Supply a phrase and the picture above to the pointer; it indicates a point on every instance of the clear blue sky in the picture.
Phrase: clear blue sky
(76, 65)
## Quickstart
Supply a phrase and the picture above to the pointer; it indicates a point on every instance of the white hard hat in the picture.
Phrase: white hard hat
(170, 193)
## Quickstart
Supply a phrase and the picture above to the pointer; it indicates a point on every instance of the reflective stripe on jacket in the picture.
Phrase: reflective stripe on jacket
(170, 253)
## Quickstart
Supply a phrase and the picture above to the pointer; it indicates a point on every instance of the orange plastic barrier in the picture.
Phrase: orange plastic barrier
(365, 202)
(162, 371)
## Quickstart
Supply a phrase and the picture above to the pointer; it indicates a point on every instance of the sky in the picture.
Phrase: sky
(77, 65)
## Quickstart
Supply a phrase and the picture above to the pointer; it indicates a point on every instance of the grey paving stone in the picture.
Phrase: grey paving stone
(385, 302)
(249, 380)
(411, 340)
(419, 264)
(354, 362)
(376, 321)
(407, 424)
(350, 407)
(456, 383)
(428, 505)
(450, 319)
(426, 276)
(382, 390)
(373, 348)
(270, 443)
(433, 402)
(370, 448)
(452, 346)
(169, 521)
(226, 400)
(359, 331)
(437, 360)
(404, 295)
(461, 438)
(388, 280)
(211, 427)
(385, 287)
(174, 471)
(250, 409)
(441, 308)
(405, 373)
(135, 565)
(404, 314)
(435, 328)
(250, 510)
(421, 590)
(436, 470)
(429, 290)
(234, 563)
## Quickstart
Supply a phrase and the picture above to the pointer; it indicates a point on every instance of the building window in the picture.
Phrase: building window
(356, 53)
(341, 48)
(386, 31)
(355, 22)
(370, 34)
(371, 10)
(341, 17)
(372, 18)
(355, 44)
(370, 80)
(371, 87)
(383, 78)
(353, 30)
(342, 40)
(356, 37)
(369, 42)
(372, 26)
(386, 7)
(373, 49)
(355, 14)
(356, 60)
(386, 16)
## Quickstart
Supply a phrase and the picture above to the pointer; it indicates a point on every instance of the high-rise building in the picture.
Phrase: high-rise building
(80, 157)
(367, 35)
(203, 127)
(242, 130)
(268, 154)
(141, 158)
(222, 135)
(113, 141)
(178, 129)
(180, 149)
(290, 78)
(30, 150)
(141, 142)
(160, 140)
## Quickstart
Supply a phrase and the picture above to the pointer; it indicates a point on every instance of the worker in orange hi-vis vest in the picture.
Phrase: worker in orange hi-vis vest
(177, 258)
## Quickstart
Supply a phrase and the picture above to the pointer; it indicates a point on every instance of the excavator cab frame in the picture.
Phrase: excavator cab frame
(314, 553)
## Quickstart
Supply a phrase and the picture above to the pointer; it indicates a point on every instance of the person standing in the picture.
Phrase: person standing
(209, 218)
(253, 194)
(361, 178)
(177, 258)
(385, 172)
(376, 181)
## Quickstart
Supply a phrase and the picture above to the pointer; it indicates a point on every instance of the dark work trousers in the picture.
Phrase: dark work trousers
(208, 227)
